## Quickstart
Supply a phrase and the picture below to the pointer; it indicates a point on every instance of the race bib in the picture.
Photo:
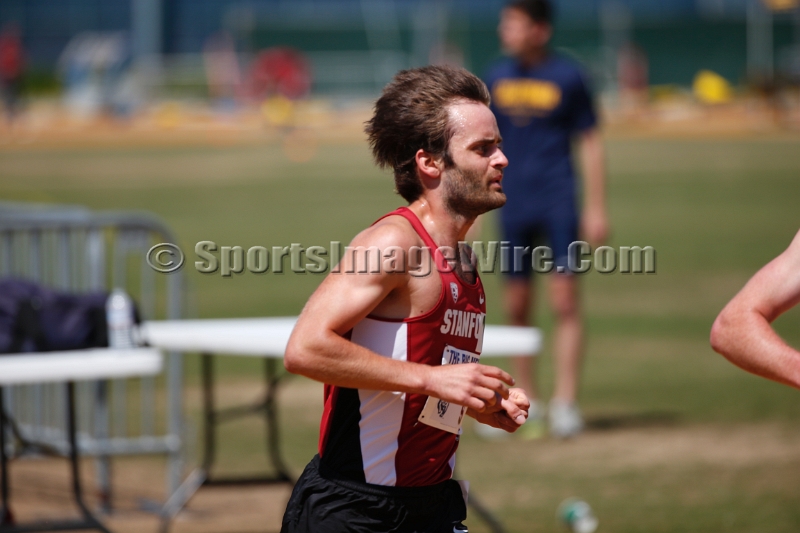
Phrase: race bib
(439, 413)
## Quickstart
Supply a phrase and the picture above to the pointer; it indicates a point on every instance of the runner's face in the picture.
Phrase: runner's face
(472, 186)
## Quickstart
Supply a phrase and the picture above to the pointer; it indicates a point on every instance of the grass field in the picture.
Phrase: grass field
(679, 440)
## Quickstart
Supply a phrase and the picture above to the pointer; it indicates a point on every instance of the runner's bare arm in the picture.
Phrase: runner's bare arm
(318, 350)
(742, 331)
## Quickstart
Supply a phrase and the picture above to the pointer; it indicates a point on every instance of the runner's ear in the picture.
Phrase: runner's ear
(428, 165)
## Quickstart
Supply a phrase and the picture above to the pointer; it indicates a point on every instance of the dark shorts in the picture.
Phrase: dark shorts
(556, 230)
(324, 504)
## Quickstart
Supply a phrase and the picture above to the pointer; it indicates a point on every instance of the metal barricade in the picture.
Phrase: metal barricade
(74, 249)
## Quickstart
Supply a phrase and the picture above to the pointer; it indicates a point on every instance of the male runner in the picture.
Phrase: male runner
(542, 104)
(379, 338)
(742, 331)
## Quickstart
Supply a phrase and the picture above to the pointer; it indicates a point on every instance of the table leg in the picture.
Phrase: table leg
(209, 414)
(5, 511)
(213, 417)
(89, 521)
(271, 380)
(102, 432)
(200, 476)
(92, 522)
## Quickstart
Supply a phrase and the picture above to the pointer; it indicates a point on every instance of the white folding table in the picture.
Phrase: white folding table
(267, 338)
(68, 366)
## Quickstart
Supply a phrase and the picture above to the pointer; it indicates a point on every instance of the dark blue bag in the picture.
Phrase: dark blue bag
(38, 319)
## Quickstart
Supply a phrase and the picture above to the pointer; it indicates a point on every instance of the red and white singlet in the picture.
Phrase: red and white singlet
(376, 436)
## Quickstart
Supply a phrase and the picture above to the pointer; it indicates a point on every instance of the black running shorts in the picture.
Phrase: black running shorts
(321, 503)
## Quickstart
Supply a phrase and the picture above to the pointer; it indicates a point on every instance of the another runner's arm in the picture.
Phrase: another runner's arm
(318, 350)
(742, 331)
(594, 219)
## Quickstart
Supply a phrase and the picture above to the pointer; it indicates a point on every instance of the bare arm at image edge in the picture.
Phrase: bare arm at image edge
(742, 331)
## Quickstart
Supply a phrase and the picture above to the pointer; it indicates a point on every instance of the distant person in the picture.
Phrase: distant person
(11, 62)
(222, 69)
(398, 351)
(742, 331)
(632, 79)
(542, 105)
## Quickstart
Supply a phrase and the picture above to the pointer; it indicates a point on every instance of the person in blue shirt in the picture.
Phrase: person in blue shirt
(543, 106)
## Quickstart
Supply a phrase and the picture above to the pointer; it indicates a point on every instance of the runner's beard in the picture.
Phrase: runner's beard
(467, 195)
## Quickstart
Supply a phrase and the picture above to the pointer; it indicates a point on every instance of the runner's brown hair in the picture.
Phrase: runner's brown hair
(413, 114)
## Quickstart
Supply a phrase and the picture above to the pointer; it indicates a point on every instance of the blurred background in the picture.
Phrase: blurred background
(129, 58)
(240, 122)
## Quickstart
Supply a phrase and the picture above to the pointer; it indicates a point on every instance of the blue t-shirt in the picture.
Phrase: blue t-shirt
(538, 111)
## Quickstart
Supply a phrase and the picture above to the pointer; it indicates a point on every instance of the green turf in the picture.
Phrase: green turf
(715, 211)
